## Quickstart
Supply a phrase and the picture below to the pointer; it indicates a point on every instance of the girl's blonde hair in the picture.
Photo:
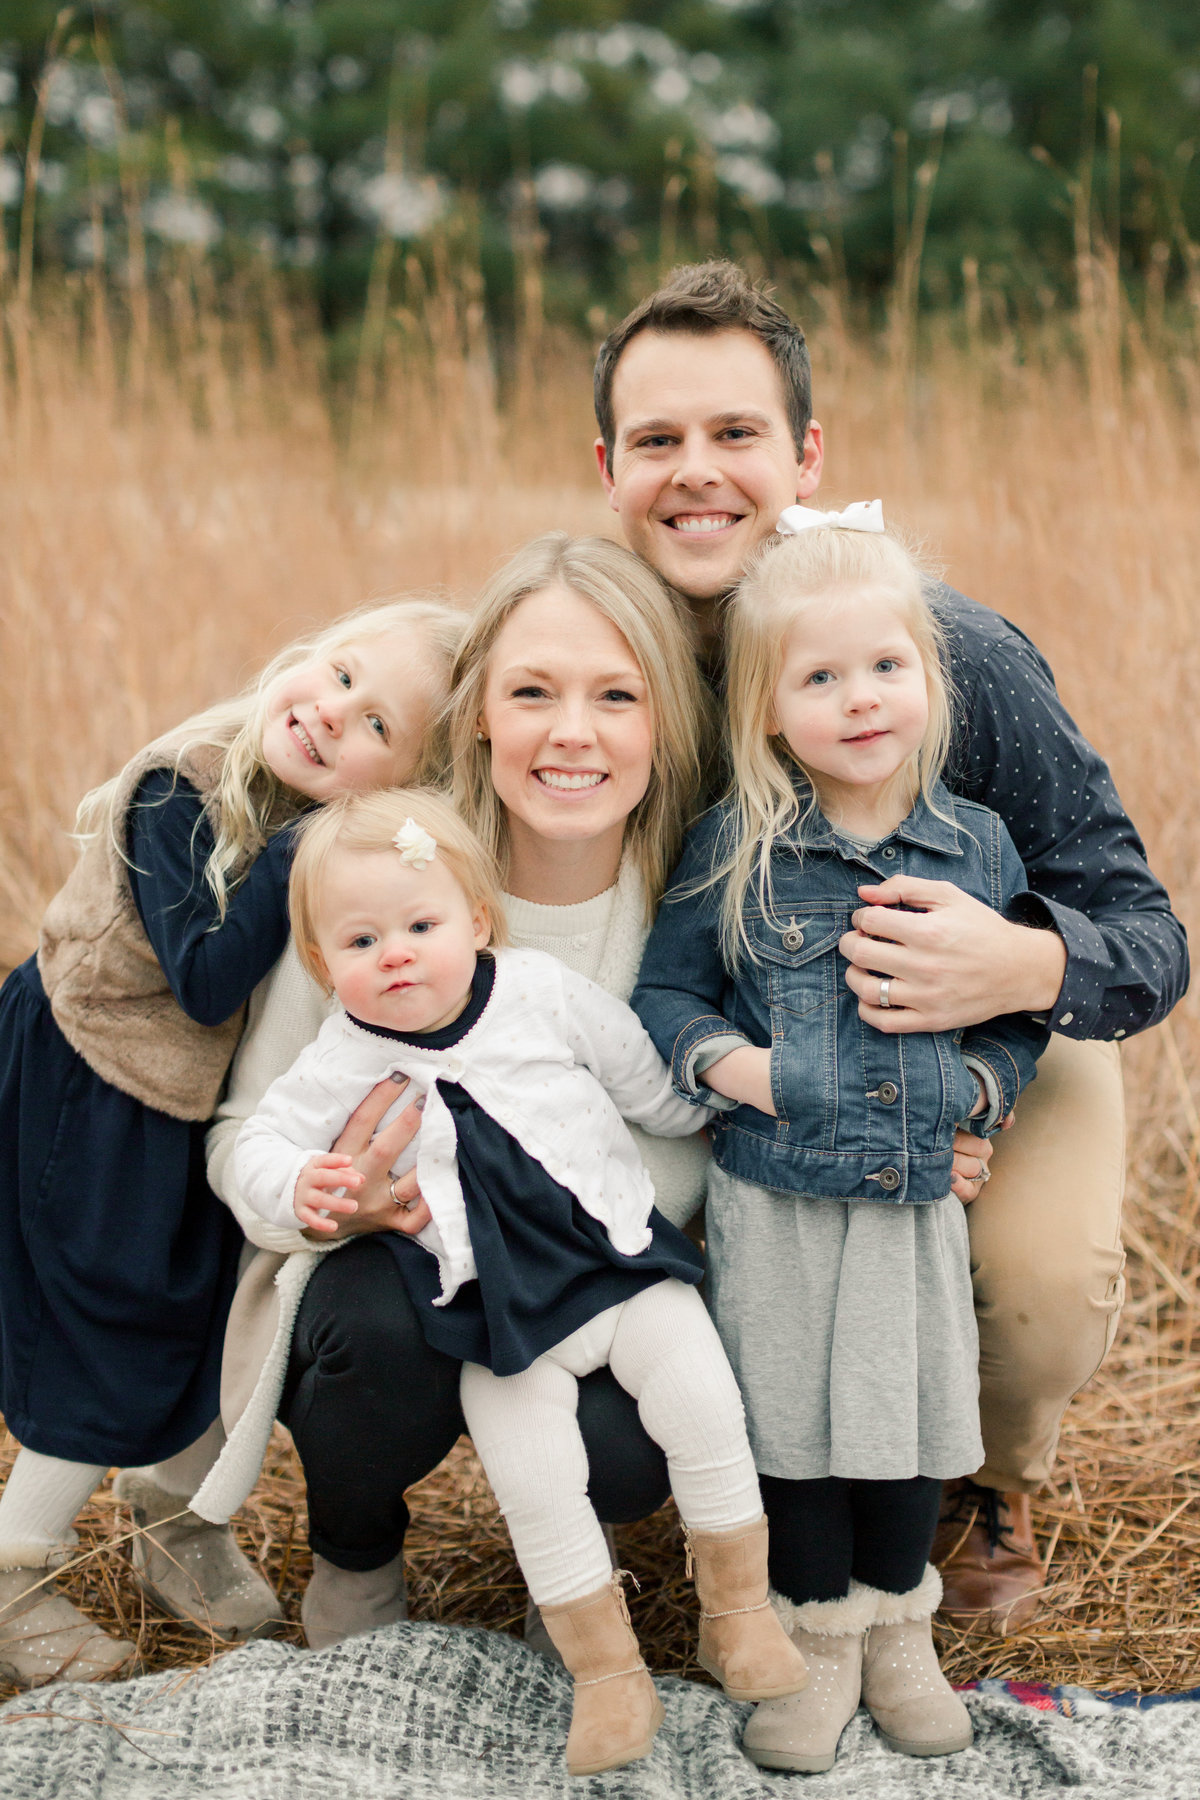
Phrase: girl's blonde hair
(247, 797)
(366, 823)
(632, 598)
(787, 578)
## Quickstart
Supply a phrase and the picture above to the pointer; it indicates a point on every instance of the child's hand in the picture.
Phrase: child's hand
(744, 1075)
(315, 1194)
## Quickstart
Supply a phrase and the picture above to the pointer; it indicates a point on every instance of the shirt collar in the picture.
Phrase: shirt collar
(923, 827)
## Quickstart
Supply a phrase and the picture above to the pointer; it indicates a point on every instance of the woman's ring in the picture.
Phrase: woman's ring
(395, 1195)
(884, 985)
(985, 1174)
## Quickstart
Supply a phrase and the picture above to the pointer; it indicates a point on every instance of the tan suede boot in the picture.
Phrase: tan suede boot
(617, 1713)
(742, 1643)
(801, 1732)
(909, 1698)
(194, 1571)
(44, 1638)
(535, 1634)
(341, 1603)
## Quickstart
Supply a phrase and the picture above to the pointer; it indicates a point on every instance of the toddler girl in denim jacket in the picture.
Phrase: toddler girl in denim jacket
(839, 1276)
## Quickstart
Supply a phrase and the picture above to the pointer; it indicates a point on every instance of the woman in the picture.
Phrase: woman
(575, 736)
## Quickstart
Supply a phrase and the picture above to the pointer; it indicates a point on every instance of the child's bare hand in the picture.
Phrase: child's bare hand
(316, 1193)
(744, 1075)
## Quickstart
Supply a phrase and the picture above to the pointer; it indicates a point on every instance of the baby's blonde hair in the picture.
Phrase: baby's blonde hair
(632, 598)
(247, 796)
(358, 824)
(788, 577)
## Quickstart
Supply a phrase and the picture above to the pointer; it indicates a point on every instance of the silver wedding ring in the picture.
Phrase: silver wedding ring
(395, 1196)
(985, 1174)
(884, 985)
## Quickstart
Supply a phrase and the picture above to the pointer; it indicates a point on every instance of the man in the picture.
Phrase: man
(703, 401)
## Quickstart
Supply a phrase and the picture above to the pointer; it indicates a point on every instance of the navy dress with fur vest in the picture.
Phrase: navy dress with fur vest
(117, 1261)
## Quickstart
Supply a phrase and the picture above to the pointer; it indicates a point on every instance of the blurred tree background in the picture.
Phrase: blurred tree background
(605, 139)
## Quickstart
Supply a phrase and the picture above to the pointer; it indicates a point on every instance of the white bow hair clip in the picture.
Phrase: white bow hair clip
(860, 515)
(417, 848)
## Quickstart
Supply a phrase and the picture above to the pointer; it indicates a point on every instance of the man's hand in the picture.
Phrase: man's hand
(744, 1075)
(372, 1154)
(954, 962)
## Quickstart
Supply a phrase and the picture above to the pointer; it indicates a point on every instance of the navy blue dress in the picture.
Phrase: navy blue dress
(117, 1261)
(545, 1265)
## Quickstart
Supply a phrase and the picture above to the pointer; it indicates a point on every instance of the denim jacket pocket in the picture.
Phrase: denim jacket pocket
(799, 979)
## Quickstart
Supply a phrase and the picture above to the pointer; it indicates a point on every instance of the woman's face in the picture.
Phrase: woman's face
(567, 714)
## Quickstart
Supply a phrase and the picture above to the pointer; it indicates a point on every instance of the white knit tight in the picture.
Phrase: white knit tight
(44, 1494)
(663, 1349)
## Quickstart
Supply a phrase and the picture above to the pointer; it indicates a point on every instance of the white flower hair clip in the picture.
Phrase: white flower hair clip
(416, 846)
(860, 515)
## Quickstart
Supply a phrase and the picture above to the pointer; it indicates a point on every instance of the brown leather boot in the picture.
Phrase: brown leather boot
(992, 1574)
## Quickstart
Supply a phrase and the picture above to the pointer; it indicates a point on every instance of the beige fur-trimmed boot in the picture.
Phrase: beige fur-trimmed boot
(44, 1638)
(742, 1643)
(617, 1713)
(801, 1733)
(914, 1706)
(194, 1571)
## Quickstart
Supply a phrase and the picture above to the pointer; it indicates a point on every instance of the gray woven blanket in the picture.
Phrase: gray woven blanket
(428, 1712)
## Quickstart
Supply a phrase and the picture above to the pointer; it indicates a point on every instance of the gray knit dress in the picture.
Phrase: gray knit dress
(850, 1326)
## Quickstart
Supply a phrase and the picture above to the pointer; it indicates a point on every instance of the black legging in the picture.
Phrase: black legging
(373, 1409)
(824, 1532)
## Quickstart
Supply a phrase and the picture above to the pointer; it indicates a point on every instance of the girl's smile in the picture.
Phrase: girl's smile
(352, 720)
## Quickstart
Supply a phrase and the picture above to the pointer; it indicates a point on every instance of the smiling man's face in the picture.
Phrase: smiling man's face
(703, 458)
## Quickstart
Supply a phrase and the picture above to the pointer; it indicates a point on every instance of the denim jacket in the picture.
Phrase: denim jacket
(861, 1114)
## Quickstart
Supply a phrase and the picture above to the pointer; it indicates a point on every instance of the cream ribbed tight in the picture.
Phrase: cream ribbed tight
(44, 1495)
(663, 1349)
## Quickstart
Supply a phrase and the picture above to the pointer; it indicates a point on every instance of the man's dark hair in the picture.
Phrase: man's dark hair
(704, 298)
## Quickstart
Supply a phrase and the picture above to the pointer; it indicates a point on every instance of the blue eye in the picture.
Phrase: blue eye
(886, 664)
(343, 675)
(821, 677)
(363, 941)
(377, 726)
(421, 926)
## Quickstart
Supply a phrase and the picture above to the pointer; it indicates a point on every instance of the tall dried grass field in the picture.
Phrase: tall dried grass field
(178, 498)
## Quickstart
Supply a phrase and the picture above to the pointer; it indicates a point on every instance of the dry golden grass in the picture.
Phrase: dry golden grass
(162, 533)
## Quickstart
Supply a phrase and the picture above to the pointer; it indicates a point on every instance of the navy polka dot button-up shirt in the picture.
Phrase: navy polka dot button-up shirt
(1017, 750)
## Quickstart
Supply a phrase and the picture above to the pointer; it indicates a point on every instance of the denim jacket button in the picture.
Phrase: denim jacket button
(889, 850)
(889, 1180)
(888, 1092)
(793, 938)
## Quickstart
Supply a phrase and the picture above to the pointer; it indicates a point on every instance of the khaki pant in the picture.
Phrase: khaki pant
(1046, 1257)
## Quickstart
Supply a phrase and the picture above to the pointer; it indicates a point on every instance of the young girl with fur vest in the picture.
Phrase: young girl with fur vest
(117, 1263)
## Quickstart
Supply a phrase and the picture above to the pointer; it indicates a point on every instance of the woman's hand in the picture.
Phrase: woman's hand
(372, 1153)
(971, 1158)
(744, 1075)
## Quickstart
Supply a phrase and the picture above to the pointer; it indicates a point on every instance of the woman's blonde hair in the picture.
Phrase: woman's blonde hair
(366, 823)
(247, 797)
(632, 598)
(788, 577)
